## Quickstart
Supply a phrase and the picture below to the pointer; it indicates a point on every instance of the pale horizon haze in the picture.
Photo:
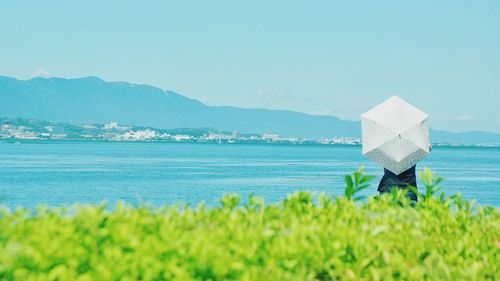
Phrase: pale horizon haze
(318, 57)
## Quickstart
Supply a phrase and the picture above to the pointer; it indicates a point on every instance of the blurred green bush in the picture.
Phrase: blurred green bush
(305, 237)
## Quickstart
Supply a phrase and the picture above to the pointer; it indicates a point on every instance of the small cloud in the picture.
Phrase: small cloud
(40, 72)
(465, 117)
(323, 112)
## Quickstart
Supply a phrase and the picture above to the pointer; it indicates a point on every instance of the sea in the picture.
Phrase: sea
(63, 173)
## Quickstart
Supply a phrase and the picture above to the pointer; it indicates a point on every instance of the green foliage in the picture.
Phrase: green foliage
(355, 183)
(302, 238)
(431, 184)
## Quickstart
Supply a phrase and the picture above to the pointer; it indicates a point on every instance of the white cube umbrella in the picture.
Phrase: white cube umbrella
(395, 135)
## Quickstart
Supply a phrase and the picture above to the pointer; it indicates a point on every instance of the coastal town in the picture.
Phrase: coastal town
(17, 129)
(22, 129)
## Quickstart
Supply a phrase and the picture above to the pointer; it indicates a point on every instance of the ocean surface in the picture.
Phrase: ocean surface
(64, 173)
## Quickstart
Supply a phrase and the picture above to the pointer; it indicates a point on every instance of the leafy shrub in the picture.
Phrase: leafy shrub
(305, 237)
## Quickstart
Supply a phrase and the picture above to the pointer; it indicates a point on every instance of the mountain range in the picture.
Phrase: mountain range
(92, 100)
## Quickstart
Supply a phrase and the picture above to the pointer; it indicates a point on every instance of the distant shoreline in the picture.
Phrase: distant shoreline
(55, 141)
(21, 129)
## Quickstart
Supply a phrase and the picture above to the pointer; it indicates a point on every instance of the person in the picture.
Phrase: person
(391, 180)
(403, 180)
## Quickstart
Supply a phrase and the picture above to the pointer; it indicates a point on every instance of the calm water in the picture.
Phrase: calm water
(62, 173)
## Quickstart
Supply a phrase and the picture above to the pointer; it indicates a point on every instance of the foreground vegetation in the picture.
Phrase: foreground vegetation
(303, 238)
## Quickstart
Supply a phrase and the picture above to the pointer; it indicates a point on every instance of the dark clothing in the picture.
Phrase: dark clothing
(402, 180)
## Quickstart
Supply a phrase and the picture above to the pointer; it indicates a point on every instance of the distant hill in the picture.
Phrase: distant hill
(92, 100)
(473, 137)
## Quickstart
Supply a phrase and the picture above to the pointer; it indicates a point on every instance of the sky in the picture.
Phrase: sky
(320, 57)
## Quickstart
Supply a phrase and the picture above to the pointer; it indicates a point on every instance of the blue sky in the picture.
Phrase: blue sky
(321, 57)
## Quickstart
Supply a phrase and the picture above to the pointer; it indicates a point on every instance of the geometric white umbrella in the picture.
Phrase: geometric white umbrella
(395, 135)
